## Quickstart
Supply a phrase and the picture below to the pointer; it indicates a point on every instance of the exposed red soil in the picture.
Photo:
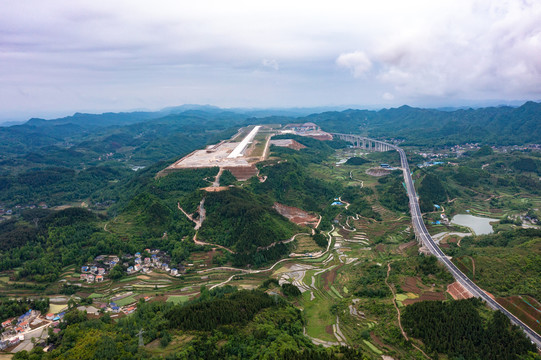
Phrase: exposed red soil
(296, 215)
(380, 248)
(427, 296)
(343, 232)
(328, 277)
(328, 330)
(453, 240)
(376, 339)
(458, 292)
(242, 173)
(410, 285)
(405, 246)
(432, 295)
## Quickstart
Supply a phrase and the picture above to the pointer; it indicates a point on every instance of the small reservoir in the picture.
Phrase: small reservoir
(479, 225)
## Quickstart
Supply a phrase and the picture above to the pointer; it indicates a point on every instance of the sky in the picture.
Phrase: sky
(62, 56)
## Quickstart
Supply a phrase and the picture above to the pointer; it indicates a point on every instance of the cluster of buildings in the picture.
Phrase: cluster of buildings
(99, 269)
(430, 163)
(7, 211)
(157, 260)
(14, 329)
(137, 263)
(307, 129)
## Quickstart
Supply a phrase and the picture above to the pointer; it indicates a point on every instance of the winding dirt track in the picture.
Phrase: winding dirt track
(398, 311)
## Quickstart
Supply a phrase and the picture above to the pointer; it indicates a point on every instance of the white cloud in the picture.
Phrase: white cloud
(387, 96)
(273, 64)
(357, 62)
(134, 51)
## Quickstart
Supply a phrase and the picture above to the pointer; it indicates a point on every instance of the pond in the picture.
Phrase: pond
(479, 225)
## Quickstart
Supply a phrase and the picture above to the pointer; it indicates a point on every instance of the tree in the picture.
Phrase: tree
(117, 272)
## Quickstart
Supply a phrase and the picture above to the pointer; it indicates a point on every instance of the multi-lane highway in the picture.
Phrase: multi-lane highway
(423, 235)
(427, 240)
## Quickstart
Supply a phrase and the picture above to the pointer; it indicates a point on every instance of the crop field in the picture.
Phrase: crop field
(305, 244)
(178, 299)
(525, 308)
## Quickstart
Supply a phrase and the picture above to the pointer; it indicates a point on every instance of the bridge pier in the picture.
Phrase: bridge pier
(364, 142)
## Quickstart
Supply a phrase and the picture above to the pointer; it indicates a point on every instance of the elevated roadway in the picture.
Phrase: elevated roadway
(424, 237)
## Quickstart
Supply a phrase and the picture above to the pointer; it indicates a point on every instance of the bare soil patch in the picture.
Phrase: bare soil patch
(427, 296)
(458, 292)
(344, 233)
(328, 330)
(242, 173)
(405, 246)
(296, 215)
(378, 172)
(376, 339)
(215, 188)
(289, 143)
(329, 277)
(410, 285)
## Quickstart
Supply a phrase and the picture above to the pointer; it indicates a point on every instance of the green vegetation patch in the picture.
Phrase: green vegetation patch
(373, 347)
(178, 299)
(125, 301)
(455, 328)
(95, 296)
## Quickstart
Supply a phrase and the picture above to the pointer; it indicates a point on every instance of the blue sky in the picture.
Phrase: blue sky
(60, 56)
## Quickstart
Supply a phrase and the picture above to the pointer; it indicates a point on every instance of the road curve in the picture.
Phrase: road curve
(422, 233)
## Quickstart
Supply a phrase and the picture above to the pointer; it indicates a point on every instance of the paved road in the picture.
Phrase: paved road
(422, 232)
(427, 240)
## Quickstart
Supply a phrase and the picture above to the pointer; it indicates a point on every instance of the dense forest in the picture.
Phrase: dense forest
(265, 327)
(495, 125)
(242, 221)
(457, 329)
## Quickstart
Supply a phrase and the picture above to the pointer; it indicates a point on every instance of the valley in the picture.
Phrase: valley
(275, 206)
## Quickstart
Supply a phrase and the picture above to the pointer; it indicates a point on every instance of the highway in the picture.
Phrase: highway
(428, 242)
(422, 232)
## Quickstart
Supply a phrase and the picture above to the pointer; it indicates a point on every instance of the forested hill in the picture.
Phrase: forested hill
(493, 125)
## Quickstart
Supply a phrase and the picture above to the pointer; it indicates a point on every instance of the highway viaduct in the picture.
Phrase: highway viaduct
(424, 238)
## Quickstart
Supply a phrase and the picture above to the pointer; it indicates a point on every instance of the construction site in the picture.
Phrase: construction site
(246, 148)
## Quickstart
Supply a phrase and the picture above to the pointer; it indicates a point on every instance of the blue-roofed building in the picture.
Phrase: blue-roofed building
(112, 304)
(437, 206)
(24, 316)
(115, 309)
(337, 203)
(85, 269)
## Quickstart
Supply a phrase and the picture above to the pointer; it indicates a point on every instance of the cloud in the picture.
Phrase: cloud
(273, 64)
(357, 62)
(387, 96)
(78, 55)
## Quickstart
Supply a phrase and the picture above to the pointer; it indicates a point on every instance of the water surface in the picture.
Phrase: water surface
(479, 225)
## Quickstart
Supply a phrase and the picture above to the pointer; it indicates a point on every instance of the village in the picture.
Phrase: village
(33, 327)
(137, 263)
